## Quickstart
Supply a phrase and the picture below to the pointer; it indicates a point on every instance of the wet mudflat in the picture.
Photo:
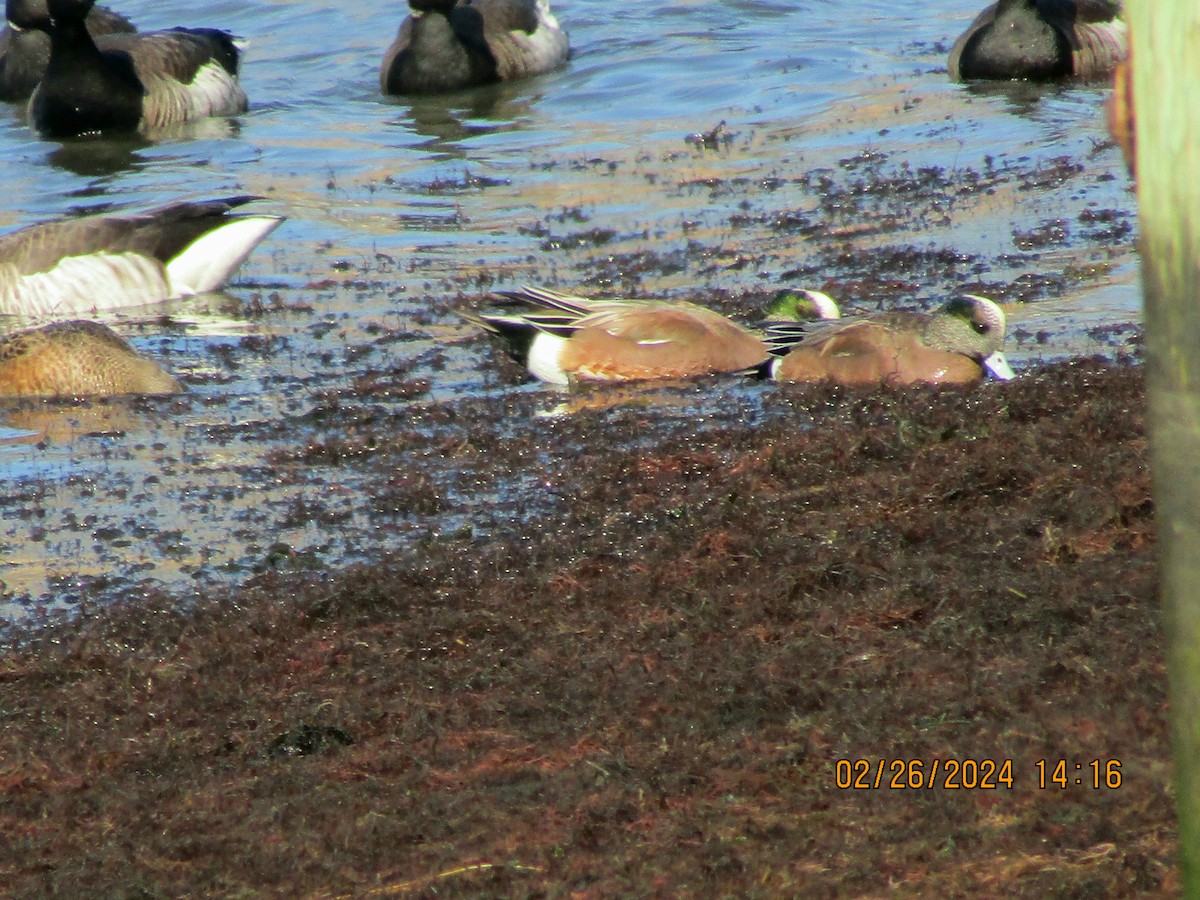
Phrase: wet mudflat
(646, 690)
(846, 161)
(290, 385)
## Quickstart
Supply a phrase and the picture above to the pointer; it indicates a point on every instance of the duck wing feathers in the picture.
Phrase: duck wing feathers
(160, 233)
(522, 35)
(1093, 29)
(177, 53)
(1099, 38)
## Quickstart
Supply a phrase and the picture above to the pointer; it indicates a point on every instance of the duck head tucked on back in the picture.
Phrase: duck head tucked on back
(77, 359)
(954, 345)
(142, 82)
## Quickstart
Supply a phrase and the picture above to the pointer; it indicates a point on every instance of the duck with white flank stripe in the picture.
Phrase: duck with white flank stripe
(563, 339)
(106, 261)
(127, 82)
(24, 51)
(447, 45)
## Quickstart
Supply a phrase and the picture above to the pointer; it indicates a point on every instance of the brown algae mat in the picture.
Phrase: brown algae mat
(663, 686)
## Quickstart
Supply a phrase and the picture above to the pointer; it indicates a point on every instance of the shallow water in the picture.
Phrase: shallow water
(585, 178)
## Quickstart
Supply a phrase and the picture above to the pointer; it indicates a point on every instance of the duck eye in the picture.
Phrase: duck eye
(980, 327)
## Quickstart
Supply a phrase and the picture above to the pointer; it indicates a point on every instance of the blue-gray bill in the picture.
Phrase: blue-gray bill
(997, 366)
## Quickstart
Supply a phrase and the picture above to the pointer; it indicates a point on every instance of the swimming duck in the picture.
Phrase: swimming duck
(1041, 40)
(77, 359)
(111, 260)
(127, 82)
(563, 339)
(24, 51)
(446, 45)
(953, 345)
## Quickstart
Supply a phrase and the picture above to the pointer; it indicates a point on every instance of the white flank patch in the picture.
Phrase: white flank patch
(209, 261)
(546, 47)
(213, 92)
(81, 284)
(544, 360)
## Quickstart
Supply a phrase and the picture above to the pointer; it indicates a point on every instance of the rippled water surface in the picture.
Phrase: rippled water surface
(835, 114)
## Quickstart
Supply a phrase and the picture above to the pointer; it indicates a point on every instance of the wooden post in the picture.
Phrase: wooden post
(1165, 39)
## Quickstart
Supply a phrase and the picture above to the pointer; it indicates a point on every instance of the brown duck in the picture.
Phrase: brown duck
(954, 345)
(563, 339)
(77, 359)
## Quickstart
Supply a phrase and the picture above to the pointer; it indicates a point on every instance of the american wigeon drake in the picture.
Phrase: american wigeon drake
(77, 359)
(953, 345)
(445, 45)
(563, 339)
(1041, 40)
(112, 260)
(127, 82)
(25, 51)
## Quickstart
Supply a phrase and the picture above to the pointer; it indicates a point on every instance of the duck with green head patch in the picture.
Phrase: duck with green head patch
(954, 345)
(563, 339)
(801, 305)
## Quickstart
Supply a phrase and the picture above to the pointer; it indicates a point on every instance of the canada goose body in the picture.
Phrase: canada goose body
(25, 50)
(129, 82)
(107, 261)
(1041, 40)
(447, 45)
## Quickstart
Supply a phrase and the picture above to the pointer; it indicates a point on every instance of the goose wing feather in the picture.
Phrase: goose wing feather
(523, 36)
(159, 233)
